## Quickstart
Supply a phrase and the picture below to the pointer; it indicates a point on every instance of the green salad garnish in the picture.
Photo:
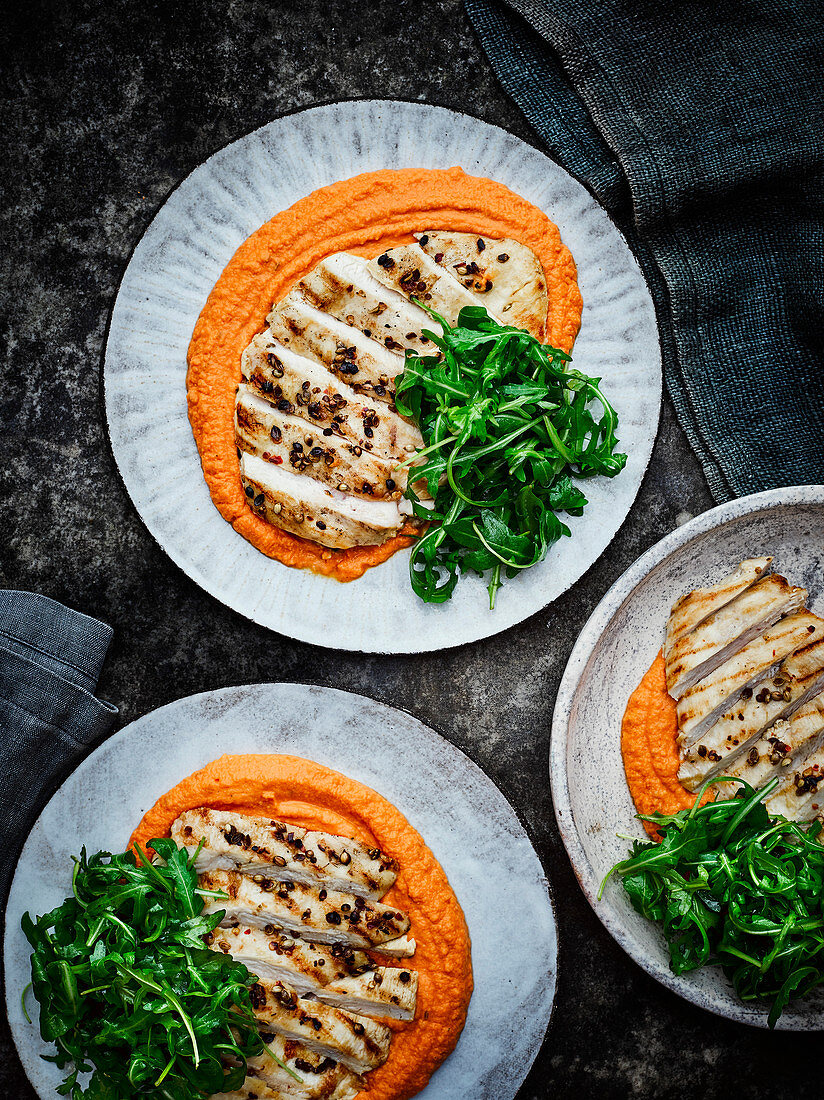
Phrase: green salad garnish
(735, 887)
(508, 427)
(128, 991)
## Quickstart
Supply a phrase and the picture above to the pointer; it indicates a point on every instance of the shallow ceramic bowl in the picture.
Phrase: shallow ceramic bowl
(461, 814)
(615, 648)
(168, 280)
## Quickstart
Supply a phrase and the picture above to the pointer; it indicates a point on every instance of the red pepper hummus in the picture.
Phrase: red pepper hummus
(364, 215)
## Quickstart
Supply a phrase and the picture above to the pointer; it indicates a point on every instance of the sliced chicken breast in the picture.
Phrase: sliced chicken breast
(798, 679)
(283, 852)
(319, 1076)
(700, 707)
(694, 607)
(385, 991)
(408, 270)
(342, 286)
(288, 441)
(316, 914)
(729, 629)
(368, 367)
(801, 796)
(357, 1042)
(786, 744)
(296, 385)
(305, 507)
(505, 276)
(356, 985)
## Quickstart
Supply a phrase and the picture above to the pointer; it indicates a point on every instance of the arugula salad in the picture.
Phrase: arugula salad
(509, 430)
(127, 989)
(735, 887)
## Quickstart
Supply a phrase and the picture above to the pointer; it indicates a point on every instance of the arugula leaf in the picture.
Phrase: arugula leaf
(129, 992)
(735, 887)
(507, 426)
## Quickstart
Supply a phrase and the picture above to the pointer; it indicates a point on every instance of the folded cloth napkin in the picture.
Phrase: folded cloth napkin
(700, 127)
(50, 661)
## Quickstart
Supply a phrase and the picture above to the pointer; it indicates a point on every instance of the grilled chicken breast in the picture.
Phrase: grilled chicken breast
(343, 286)
(321, 1078)
(504, 276)
(296, 385)
(315, 913)
(786, 745)
(694, 607)
(696, 655)
(283, 852)
(799, 678)
(305, 507)
(408, 270)
(701, 706)
(367, 366)
(288, 441)
(357, 1042)
(336, 976)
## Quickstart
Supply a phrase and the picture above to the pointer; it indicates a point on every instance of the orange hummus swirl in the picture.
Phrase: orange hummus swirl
(364, 215)
(315, 797)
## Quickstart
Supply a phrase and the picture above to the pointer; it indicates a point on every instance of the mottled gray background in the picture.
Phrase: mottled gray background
(107, 107)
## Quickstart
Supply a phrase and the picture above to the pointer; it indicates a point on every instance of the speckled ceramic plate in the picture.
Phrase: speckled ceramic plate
(461, 814)
(166, 285)
(615, 648)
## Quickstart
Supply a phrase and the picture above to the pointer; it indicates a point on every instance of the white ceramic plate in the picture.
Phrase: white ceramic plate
(461, 814)
(166, 285)
(615, 648)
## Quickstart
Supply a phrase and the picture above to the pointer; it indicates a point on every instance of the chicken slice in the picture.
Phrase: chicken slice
(410, 271)
(305, 507)
(701, 706)
(278, 957)
(299, 386)
(368, 367)
(342, 286)
(384, 991)
(786, 744)
(694, 607)
(357, 1042)
(316, 914)
(288, 441)
(505, 276)
(801, 796)
(798, 679)
(337, 975)
(286, 853)
(319, 1076)
(726, 631)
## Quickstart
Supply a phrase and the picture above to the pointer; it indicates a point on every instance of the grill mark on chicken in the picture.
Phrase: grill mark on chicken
(704, 703)
(728, 630)
(693, 608)
(284, 852)
(338, 975)
(358, 1042)
(366, 365)
(798, 679)
(314, 913)
(408, 270)
(299, 386)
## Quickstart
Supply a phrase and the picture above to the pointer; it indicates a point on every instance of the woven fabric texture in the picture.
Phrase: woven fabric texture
(50, 661)
(700, 127)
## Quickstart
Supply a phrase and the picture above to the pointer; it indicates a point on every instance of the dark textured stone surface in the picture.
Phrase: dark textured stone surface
(107, 107)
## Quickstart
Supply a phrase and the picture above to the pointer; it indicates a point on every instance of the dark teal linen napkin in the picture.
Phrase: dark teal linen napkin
(50, 662)
(700, 127)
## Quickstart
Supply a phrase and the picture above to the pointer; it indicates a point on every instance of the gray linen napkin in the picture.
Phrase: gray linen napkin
(700, 127)
(50, 662)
